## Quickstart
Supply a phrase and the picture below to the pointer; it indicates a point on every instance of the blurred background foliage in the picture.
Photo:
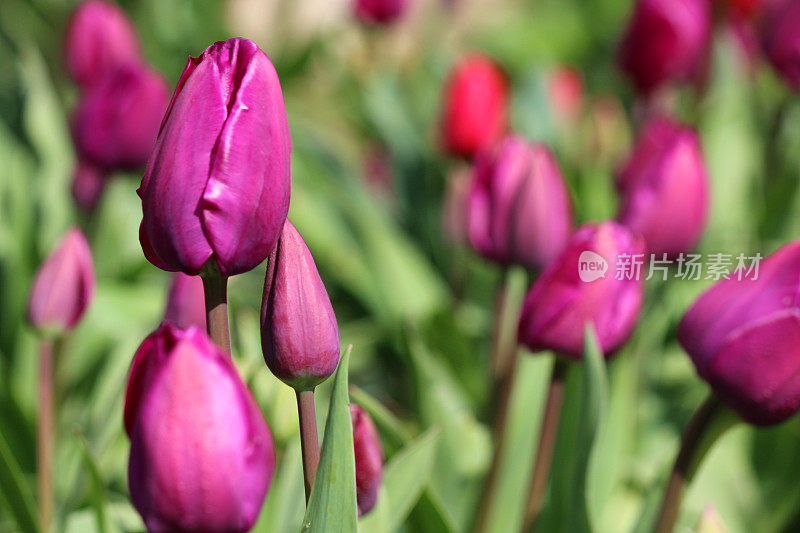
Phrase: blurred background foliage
(368, 186)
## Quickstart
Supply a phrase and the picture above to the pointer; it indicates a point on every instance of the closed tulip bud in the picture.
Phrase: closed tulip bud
(186, 304)
(379, 11)
(742, 336)
(299, 333)
(666, 41)
(519, 206)
(580, 287)
(475, 106)
(116, 121)
(664, 188)
(99, 38)
(781, 39)
(201, 456)
(369, 459)
(88, 184)
(217, 183)
(64, 286)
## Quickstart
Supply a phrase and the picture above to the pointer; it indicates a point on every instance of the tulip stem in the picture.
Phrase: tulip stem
(710, 421)
(309, 442)
(215, 287)
(506, 318)
(547, 441)
(45, 436)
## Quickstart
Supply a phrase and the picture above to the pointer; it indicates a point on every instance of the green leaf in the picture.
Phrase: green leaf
(18, 500)
(391, 428)
(332, 503)
(97, 496)
(404, 478)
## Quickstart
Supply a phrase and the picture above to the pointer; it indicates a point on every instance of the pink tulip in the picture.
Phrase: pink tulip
(369, 459)
(781, 39)
(743, 334)
(580, 287)
(519, 206)
(88, 183)
(64, 286)
(379, 11)
(186, 304)
(664, 188)
(217, 184)
(201, 454)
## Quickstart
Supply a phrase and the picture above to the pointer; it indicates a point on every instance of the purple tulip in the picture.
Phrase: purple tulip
(116, 122)
(519, 206)
(664, 188)
(743, 334)
(64, 286)
(88, 183)
(581, 286)
(369, 459)
(217, 183)
(186, 304)
(379, 11)
(666, 40)
(201, 454)
(99, 38)
(781, 39)
(299, 333)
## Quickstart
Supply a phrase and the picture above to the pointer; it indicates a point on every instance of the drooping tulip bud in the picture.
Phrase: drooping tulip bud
(594, 280)
(64, 286)
(201, 455)
(666, 41)
(217, 183)
(742, 336)
(664, 188)
(379, 11)
(369, 459)
(99, 38)
(780, 32)
(115, 124)
(519, 206)
(186, 304)
(299, 333)
(475, 106)
(88, 184)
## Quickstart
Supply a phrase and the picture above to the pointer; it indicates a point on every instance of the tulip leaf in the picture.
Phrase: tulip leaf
(332, 503)
(404, 478)
(17, 498)
(97, 487)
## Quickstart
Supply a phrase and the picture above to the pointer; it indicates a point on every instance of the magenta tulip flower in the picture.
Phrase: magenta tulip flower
(743, 334)
(99, 38)
(369, 459)
(64, 286)
(664, 188)
(590, 282)
(299, 333)
(217, 184)
(379, 11)
(475, 114)
(186, 304)
(666, 41)
(780, 32)
(519, 206)
(88, 183)
(116, 122)
(201, 454)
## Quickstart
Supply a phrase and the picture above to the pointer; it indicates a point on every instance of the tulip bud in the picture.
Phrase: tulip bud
(99, 38)
(369, 459)
(201, 455)
(64, 286)
(186, 303)
(88, 184)
(299, 334)
(781, 39)
(217, 182)
(475, 106)
(379, 11)
(580, 286)
(666, 41)
(519, 207)
(664, 188)
(742, 336)
(117, 118)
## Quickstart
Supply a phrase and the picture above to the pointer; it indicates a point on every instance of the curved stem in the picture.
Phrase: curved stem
(547, 442)
(215, 287)
(709, 422)
(309, 443)
(45, 436)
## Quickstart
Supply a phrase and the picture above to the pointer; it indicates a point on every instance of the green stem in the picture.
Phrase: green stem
(45, 436)
(215, 286)
(309, 439)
